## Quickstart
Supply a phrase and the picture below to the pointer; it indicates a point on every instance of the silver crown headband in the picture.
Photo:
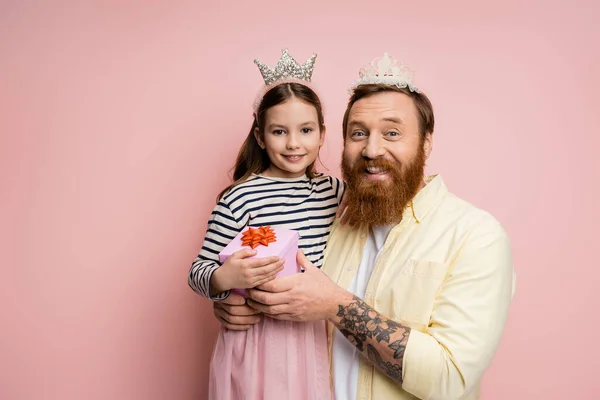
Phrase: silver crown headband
(286, 70)
(386, 70)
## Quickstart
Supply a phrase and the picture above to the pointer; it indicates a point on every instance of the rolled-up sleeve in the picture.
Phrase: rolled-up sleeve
(467, 321)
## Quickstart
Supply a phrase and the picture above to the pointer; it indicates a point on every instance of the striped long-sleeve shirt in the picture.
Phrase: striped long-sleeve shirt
(302, 204)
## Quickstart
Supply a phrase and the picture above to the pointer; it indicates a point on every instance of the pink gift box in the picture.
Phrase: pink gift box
(285, 246)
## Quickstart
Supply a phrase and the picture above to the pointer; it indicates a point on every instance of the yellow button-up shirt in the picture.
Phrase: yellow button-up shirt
(446, 272)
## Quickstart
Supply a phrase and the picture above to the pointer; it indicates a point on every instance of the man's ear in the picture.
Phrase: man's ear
(428, 144)
(261, 143)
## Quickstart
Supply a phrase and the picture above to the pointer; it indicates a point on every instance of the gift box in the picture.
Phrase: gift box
(267, 241)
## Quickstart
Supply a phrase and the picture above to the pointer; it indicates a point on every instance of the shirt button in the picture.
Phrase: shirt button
(350, 268)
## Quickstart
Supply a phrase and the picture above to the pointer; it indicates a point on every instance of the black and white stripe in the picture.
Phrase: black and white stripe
(303, 204)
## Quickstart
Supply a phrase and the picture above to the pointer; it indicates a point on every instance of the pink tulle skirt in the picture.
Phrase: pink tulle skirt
(273, 360)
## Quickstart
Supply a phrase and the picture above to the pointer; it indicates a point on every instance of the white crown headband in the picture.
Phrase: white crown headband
(386, 70)
(286, 70)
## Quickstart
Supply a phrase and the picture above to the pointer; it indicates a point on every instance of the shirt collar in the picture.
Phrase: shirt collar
(427, 198)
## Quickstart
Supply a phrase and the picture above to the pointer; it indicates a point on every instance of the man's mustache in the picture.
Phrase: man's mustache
(364, 163)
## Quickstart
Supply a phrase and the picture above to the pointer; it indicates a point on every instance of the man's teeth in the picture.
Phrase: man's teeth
(376, 170)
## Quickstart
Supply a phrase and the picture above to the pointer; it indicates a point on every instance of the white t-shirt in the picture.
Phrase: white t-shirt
(345, 356)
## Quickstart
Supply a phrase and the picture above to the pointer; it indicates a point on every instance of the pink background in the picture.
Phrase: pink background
(120, 120)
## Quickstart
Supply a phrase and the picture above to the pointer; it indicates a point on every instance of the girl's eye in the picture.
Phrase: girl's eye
(278, 132)
(306, 130)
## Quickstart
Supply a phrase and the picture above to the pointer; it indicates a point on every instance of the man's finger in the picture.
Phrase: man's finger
(344, 217)
(303, 261)
(282, 284)
(341, 213)
(259, 306)
(235, 320)
(238, 319)
(271, 310)
(239, 310)
(266, 298)
(233, 299)
(265, 280)
(232, 326)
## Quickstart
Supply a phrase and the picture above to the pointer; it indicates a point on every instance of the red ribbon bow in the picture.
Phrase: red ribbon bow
(257, 236)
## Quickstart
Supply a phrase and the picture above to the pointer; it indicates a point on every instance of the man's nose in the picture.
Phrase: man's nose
(374, 147)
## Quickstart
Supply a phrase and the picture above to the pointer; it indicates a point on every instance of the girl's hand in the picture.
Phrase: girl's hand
(239, 272)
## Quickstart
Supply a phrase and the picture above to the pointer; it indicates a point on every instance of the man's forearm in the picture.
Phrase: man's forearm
(380, 339)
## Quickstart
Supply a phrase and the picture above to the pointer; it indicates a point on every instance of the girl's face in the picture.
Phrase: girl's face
(292, 138)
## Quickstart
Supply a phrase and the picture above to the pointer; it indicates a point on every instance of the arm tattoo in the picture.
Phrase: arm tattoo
(380, 339)
(392, 370)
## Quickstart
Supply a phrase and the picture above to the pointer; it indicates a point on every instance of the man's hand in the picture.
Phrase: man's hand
(307, 296)
(341, 213)
(313, 296)
(233, 313)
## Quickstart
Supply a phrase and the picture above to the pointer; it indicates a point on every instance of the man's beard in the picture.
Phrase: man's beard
(373, 202)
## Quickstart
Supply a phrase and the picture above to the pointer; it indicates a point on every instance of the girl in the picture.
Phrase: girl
(275, 183)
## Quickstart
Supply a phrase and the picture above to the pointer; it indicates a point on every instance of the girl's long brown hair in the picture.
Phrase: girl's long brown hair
(251, 158)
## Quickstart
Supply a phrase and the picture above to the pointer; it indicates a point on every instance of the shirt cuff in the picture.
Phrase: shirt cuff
(421, 364)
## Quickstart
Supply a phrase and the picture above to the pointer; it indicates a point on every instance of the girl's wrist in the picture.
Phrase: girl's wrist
(218, 281)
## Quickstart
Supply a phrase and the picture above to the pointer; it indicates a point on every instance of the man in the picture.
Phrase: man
(417, 284)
